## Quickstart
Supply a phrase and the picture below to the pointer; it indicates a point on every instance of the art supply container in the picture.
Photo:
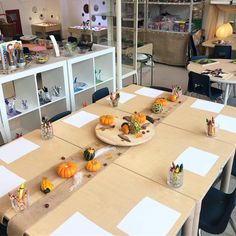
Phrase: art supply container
(174, 179)
(20, 203)
(46, 131)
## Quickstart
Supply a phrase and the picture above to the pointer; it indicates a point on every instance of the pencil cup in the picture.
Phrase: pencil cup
(174, 179)
(211, 130)
(47, 132)
(20, 203)
(115, 103)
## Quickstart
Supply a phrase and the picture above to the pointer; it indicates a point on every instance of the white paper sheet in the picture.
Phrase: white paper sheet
(8, 181)
(16, 149)
(227, 123)
(124, 97)
(149, 217)
(81, 118)
(196, 160)
(207, 106)
(77, 224)
(149, 92)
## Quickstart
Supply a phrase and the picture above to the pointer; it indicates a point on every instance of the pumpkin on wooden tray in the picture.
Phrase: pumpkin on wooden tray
(106, 119)
(139, 117)
(93, 165)
(66, 169)
(161, 101)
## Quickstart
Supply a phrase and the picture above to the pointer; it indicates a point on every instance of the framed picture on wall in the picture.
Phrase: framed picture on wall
(14, 16)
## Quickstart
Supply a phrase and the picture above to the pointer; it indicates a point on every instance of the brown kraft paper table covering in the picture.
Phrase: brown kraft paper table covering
(20, 222)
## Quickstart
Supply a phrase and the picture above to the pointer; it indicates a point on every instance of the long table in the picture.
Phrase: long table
(137, 172)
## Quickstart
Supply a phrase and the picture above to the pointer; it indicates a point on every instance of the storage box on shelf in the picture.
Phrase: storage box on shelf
(40, 90)
(89, 72)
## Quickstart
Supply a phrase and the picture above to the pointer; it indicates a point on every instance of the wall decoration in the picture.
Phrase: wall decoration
(93, 18)
(41, 17)
(86, 8)
(96, 7)
(104, 17)
(34, 9)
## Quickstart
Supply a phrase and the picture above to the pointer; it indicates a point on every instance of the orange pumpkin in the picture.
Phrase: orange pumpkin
(172, 98)
(66, 169)
(161, 101)
(106, 119)
(93, 165)
(139, 117)
(125, 128)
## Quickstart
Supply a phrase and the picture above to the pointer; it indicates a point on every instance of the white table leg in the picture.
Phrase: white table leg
(224, 186)
(196, 218)
(188, 225)
(226, 93)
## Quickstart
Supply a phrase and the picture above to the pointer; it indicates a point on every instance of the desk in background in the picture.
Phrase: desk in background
(210, 45)
(42, 30)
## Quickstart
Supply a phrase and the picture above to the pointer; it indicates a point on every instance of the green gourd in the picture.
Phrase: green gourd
(134, 126)
(157, 108)
(89, 154)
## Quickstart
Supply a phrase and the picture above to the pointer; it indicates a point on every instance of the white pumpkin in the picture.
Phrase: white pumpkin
(224, 31)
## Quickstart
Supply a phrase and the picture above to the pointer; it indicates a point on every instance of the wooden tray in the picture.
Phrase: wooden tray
(110, 135)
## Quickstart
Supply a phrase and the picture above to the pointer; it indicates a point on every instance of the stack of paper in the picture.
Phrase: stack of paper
(149, 92)
(207, 106)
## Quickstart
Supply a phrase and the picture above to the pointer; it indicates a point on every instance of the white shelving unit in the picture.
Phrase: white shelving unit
(83, 67)
(25, 85)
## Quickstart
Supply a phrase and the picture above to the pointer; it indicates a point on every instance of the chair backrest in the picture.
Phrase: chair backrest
(222, 51)
(199, 84)
(162, 88)
(192, 50)
(59, 116)
(101, 93)
(72, 39)
(234, 166)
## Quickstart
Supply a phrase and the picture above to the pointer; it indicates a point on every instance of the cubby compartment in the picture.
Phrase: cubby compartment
(51, 86)
(84, 98)
(20, 96)
(24, 124)
(104, 68)
(108, 84)
(54, 109)
(83, 75)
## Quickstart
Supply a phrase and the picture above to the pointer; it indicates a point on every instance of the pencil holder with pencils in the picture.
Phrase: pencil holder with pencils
(211, 127)
(175, 176)
(20, 200)
(46, 129)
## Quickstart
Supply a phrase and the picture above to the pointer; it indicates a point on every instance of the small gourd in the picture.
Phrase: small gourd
(172, 98)
(46, 186)
(157, 108)
(89, 154)
(140, 117)
(66, 169)
(106, 119)
(125, 128)
(134, 126)
(161, 101)
(93, 165)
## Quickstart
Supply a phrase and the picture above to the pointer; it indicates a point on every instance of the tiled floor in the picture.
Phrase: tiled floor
(168, 76)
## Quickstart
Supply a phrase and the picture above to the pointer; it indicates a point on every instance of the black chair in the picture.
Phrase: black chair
(3, 230)
(193, 53)
(222, 51)
(59, 116)
(72, 39)
(99, 94)
(216, 210)
(234, 166)
(161, 88)
(200, 84)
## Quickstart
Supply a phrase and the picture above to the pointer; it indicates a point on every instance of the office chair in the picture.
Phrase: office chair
(200, 84)
(162, 88)
(59, 116)
(222, 51)
(101, 93)
(216, 210)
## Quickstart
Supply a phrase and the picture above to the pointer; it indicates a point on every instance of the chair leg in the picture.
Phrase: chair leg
(232, 224)
(199, 232)
(234, 88)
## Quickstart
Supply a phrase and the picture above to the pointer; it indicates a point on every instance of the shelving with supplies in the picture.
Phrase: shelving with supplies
(89, 72)
(21, 103)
